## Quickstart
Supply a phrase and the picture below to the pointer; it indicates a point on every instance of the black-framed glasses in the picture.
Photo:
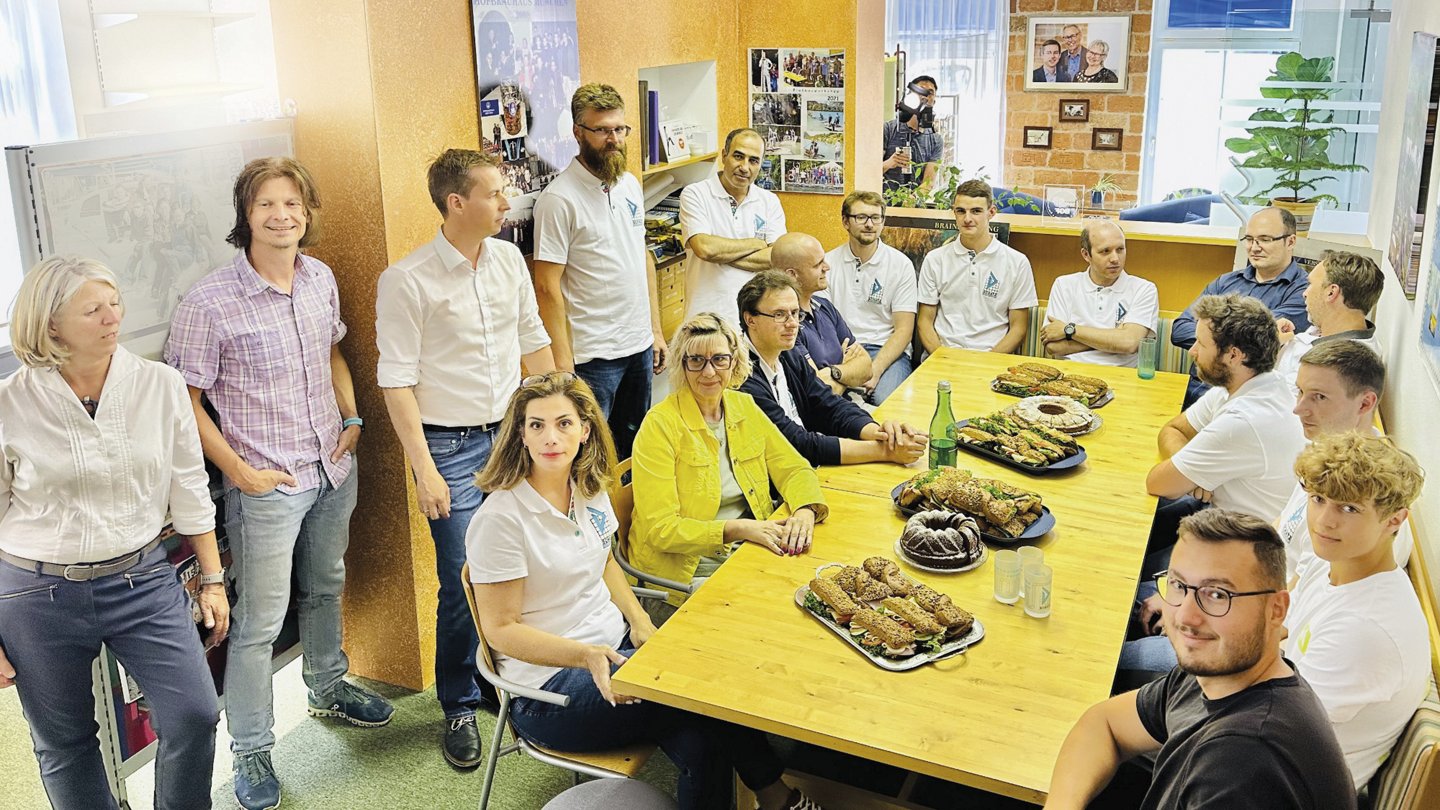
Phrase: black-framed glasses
(866, 219)
(697, 362)
(1263, 240)
(781, 316)
(623, 131)
(559, 376)
(1213, 600)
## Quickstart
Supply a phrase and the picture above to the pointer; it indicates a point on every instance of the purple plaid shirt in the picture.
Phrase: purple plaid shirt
(263, 359)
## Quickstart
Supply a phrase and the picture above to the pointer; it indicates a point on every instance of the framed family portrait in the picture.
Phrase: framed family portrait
(1077, 52)
(1038, 137)
(1106, 139)
(1074, 109)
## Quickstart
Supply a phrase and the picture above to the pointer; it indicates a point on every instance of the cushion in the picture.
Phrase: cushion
(1410, 778)
(612, 794)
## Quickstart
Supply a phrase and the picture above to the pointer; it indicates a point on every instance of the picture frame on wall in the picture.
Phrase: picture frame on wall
(1038, 137)
(1064, 53)
(1074, 109)
(1107, 139)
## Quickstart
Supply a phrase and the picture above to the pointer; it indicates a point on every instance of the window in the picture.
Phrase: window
(1230, 14)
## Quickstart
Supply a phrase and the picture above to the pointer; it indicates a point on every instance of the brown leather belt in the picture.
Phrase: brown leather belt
(83, 572)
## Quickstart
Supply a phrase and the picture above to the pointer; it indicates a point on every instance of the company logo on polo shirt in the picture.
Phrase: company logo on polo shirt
(759, 226)
(1120, 311)
(635, 219)
(597, 519)
(876, 292)
(992, 287)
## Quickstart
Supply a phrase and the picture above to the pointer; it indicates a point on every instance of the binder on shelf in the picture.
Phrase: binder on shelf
(646, 152)
(652, 128)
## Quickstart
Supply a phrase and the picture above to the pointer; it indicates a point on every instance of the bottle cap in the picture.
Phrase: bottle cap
(943, 386)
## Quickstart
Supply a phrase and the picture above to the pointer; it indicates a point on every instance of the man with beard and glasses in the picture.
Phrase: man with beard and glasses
(1233, 725)
(873, 286)
(594, 279)
(1234, 447)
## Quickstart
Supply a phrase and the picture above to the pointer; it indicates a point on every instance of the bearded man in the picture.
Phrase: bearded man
(594, 279)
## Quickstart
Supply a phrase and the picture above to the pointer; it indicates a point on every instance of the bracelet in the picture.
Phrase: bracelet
(354, 420)
(217, 578)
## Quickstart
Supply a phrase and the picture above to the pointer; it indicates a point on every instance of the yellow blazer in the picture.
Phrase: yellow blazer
(676, 474)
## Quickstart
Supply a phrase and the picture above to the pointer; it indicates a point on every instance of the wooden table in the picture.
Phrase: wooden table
(741, 650)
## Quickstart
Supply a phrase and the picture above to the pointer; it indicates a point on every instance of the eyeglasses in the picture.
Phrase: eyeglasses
(622, 131)
(866, 219)
(558, 376)
(698, 362)
(781, 315)
(1262, 241)
(1212, 599)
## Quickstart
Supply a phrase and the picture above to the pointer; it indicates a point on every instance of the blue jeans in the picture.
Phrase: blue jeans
(1149, 653)
(458, 453)
(273, 536)
(703, 750)
(52, 629)
(622, 387)
(894, 376)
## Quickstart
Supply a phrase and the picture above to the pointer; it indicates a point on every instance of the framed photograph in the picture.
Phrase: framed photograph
(1106, 139)
(1062, 52)
(1074, 109)
(1038, 137)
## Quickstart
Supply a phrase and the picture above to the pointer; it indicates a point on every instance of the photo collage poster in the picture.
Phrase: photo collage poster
(797, 104)
(527, 58)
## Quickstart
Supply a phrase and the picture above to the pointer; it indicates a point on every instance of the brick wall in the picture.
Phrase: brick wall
(1070, 161)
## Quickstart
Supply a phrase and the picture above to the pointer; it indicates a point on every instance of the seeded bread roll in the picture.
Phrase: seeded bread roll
(886, 630)
(914, 615)
(835, 598)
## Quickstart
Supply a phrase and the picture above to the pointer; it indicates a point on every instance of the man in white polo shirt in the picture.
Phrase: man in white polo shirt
(1234, 447)
(873, 286)
(975, 293)
(1099, 314)
(728, 224)
(594, 279)
(1342, 290)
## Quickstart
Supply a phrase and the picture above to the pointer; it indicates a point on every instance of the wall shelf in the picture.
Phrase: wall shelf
(675, 164)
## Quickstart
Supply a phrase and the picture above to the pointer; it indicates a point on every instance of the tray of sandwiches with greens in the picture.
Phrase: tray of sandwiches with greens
(1038, 379)
(892, 620)
(1004, 512)
(1012, 440)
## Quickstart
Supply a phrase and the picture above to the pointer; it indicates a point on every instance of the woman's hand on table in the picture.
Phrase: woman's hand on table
(641, 630)
(765, 533)
(215, 610)
(799, 530)
(598, 659)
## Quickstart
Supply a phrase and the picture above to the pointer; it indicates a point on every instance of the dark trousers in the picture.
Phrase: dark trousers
(704, 750)
(622, 388)
(52, 629)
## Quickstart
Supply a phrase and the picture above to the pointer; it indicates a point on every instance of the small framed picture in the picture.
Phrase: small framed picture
(1106, 139)
(1074, 109)
(1038, 137)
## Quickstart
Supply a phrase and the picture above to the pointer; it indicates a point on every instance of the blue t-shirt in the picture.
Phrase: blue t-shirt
(822, 330)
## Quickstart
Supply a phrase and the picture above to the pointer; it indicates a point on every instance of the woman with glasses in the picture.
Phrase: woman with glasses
(706, 460)
(1095, 70)
(558, 613)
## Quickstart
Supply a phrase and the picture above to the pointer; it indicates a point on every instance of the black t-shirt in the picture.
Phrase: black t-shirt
(1269, 747)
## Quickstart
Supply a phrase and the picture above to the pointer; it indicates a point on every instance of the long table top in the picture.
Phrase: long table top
(994, 718)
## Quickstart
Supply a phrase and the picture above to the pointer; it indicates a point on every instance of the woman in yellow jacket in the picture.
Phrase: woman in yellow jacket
(704, 462)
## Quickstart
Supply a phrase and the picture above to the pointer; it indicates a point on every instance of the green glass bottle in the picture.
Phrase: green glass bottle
(942, 437)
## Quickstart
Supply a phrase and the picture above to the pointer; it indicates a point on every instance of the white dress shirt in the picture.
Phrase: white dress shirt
(77, 490)
(706, 207)
(457, 333)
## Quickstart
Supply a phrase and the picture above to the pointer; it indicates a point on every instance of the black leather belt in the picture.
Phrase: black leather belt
(493, 426)
(83, 572)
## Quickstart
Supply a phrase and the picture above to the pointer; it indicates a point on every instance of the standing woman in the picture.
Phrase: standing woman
(1095, 70)
(557, 611)
(98, 447)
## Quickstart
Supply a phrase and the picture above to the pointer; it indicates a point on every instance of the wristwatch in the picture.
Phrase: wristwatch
(835, 373)
(1069, 331)
(217, 578)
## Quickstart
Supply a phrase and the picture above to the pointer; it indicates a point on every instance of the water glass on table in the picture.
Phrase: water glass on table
(1007, 576)
(1148, 357)
(1039, 581)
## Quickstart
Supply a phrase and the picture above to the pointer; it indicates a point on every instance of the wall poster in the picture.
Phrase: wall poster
(797, 104)
(527, 58)
(1430, 311)
(1405, 227)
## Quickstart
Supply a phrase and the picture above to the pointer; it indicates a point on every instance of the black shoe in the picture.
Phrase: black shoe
(462, 741)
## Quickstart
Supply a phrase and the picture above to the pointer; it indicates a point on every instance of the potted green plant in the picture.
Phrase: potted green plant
(1293, 138)
(1106, 183)
(941, 192)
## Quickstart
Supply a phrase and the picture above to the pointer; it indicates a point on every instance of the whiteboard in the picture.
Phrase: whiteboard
(154, 208)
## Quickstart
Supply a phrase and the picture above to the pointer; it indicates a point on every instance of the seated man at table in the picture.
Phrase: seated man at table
(1343, 289)
(975, 293)
(1099, 314)
(836, 356)
(1272, 276)
(1357, 633)
(1234, 447)
(1233, 725)
(824, 427)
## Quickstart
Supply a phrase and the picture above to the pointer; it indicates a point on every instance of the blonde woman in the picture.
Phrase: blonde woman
(98, 447)
(705, 461)
(556, 609)
(1095, 70)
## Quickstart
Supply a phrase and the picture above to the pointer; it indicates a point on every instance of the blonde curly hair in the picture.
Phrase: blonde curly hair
(1355, 468)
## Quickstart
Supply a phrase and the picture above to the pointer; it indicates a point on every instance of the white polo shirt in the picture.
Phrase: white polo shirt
(598, 233)
(517, 534)
(1245, 446)
(457, 333)
(975, 292)
(1288, 363)
(1076, 299)
(706, 207)
(868, 294)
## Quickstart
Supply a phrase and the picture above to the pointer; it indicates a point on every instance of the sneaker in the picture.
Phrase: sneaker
(799, 801)
(359, 707)
(256, 787)
(462, 741)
